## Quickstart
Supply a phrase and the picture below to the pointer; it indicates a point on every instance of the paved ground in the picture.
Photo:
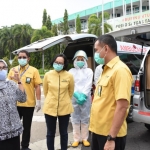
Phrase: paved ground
(138, 136)
(38, 133)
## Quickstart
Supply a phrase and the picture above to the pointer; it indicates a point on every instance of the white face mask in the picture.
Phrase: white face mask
(22, 62)
(3, 75)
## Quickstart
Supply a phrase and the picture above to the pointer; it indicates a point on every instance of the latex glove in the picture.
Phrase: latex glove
(38, 105)
(82, 98)
(76, 95)
(79, 102)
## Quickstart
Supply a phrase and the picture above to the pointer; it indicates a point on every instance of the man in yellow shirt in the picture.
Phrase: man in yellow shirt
(30, 79)
(111, 98)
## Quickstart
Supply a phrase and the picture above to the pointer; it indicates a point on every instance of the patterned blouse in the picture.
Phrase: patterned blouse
(10, 124)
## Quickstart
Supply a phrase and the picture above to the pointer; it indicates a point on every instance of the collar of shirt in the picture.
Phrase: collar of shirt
(111, 63)
(23, 68)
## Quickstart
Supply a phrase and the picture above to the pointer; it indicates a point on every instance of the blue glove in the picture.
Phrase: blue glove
(76, 95)
(83, 96)
(79, 102)
(81, 99)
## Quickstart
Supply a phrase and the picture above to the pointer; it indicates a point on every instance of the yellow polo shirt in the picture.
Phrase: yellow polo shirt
(29, 79)
(114, 84)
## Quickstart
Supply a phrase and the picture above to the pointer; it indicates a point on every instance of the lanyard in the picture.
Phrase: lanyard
(23, 71)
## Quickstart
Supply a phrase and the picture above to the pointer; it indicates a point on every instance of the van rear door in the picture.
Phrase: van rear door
(146, 79)
(43, 44)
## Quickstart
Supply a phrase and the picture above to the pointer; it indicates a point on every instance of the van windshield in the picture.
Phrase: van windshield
(133, 61)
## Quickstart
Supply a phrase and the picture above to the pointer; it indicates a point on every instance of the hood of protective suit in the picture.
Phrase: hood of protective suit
(75, 65)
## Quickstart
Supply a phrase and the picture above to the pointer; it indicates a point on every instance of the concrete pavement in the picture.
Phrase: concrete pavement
(38, 133)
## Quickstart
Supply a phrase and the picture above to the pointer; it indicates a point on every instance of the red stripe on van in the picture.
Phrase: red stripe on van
(144, 113)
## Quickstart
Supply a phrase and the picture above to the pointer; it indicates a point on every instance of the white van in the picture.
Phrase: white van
(141, 99)
(129, 53)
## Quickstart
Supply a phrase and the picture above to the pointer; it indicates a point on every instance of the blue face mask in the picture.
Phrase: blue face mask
(98, 59)
(22, 62)
(80, 64)
(58, 67)
(3, 75)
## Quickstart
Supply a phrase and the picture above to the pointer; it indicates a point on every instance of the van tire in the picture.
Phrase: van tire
(130, 115)
(147, 126)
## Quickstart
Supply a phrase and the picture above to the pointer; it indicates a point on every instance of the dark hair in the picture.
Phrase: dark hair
(24, 51)
(65, 60)
(108, 40)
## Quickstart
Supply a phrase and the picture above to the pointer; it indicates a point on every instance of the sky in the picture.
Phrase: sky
(31, 11)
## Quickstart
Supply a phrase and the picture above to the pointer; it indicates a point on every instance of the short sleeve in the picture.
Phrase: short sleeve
(122, 84)
(45, 85)
(37, 78)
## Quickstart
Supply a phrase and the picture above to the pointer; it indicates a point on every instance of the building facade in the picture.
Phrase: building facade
(123, 14)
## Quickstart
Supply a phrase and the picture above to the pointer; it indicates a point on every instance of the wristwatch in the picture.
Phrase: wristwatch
(19, 82)
(110, 138)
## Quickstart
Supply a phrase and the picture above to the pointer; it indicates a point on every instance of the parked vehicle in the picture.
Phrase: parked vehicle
(141, 98)
(129, 53)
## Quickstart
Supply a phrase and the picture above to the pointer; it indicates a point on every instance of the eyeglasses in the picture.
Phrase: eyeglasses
(23, 57)
(3, 68)
(60, 63)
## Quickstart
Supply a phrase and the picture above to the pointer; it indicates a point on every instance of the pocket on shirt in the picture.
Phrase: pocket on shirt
(101, 86)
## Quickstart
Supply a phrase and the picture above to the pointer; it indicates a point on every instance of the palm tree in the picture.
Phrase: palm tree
(22, 35)
(36, 57)
(95, 23)
(41, 34)
(7, 40)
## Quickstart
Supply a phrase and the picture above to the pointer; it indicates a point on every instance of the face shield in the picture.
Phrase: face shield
(80, 53)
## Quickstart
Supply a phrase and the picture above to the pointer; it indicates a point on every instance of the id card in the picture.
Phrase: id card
(28, 80)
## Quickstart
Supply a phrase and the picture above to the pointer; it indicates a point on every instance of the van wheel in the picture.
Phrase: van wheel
(130, 115)
(147, 126)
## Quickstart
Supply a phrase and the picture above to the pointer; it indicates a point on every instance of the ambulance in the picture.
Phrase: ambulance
(129, 53)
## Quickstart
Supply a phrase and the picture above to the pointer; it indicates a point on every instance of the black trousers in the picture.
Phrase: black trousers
(98, 142)
(51, 129)
(26, 114)
(10, 144)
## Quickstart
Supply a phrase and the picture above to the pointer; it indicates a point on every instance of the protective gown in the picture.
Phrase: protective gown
(97, 73)
(80, 117)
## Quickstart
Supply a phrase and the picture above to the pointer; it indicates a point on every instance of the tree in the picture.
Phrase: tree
(61, 27)
(7, 40)
(54, 29)
(7, 61)
(95, 24)
(49, 23)
(78, 24)
(65, 23)
(44, 17)
(36, 57)
(15, 62)
(41, 34)
(22, 35)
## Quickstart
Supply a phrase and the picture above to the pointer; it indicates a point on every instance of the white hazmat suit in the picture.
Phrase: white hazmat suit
(80, 117)
(98, 72)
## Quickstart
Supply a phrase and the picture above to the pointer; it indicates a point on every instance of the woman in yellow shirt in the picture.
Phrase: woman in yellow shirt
(58, 86)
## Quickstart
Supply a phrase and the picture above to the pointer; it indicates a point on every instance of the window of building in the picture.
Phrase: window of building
(117, 15)
(136, 9)
(145, 8)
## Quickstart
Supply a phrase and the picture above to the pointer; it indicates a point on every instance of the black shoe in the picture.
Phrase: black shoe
(25, 148)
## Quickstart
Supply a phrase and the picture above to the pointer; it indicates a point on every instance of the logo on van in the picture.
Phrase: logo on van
(134, 46)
